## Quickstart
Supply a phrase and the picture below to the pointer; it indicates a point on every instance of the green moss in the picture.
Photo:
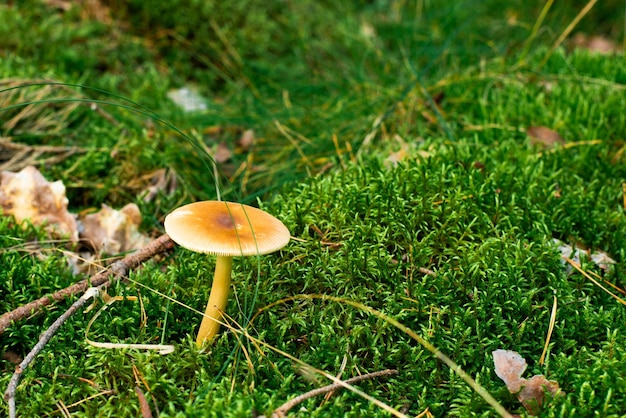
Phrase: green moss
(486, 234)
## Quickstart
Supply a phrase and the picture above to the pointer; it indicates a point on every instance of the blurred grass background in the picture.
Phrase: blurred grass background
(320, 75)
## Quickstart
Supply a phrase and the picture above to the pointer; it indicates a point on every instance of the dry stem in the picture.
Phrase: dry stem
(118, 269)
(283, 409)
(90, 288)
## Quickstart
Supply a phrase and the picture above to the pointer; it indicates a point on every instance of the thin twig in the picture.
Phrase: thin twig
(283, 409)
(550, 329)
(144, 406)
(9, 395)
(108, 275)
(101, 280)
(426, 271)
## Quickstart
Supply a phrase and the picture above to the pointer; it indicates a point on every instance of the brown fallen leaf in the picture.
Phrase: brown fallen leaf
(213, 131)
(162, 180)
(546, 137)
(59, 4)
(395, 157)
(595, 43)
(27, 195)
(12, 356)
(246, 140)
(600, 258)
(533, 392)
(509, 367)
(222, 153)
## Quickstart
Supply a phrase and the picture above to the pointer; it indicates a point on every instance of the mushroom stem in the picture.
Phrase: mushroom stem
(217, 300)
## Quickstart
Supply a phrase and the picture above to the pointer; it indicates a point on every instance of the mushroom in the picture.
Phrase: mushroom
(225, 229)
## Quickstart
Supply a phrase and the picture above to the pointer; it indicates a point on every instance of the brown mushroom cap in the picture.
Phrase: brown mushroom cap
(226, 229)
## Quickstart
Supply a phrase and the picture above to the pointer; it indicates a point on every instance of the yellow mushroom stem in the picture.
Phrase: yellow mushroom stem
(217, 300)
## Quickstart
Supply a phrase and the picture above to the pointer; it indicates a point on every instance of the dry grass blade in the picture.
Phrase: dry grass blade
(441, 356)
(144, 406)
(535, 29)
(615, 287)
(63, 409)
(15, 156)
(36, 106)
(294, 138)
(572, 145)
(550, 329)
(342, 368)
(283, 409)
(594, 281)
(103, 393)
(162, 349)
(117, 270)
(341, 383)
(9, 395)
(569, 30)
(35, 117)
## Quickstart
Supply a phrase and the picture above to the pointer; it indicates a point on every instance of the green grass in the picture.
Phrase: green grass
(472, 200)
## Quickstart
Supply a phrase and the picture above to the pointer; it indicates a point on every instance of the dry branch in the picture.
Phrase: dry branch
(9, 395)
(110, 274)
(281, 412)
(90, 288)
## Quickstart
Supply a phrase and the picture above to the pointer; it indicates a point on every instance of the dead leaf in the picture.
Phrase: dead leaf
(546, 137)
(595, 43)
(395, 157)
(111, 231)
(27, 195)
(533, 392)
(509, 367)
(212, 130)
(12, 356)
(600, 258)
(246, 140)
(188, 99)
(162, 180)
(479, 165)
(222, 153)
(83, 262)
(63, 5)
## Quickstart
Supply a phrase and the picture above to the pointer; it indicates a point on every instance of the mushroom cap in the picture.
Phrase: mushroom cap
(226, 229)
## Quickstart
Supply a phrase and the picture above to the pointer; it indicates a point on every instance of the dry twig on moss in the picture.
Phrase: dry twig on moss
(91, 288)
(281, 411)
(9, 395)
(112, 273)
